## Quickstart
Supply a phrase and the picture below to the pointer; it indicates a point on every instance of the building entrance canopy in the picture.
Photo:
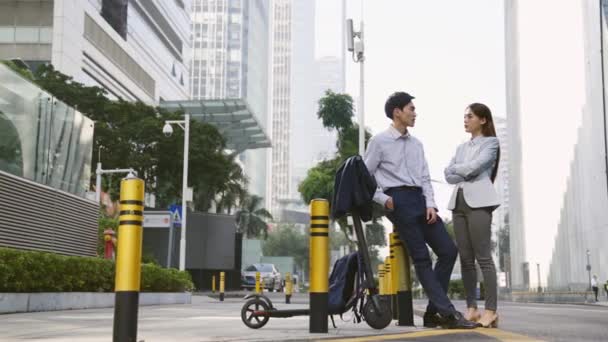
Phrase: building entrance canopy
(233, 118)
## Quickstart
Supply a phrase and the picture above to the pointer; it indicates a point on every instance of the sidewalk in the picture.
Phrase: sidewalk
(206, 319)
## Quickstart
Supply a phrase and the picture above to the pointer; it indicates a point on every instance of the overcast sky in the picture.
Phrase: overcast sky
(446, 53)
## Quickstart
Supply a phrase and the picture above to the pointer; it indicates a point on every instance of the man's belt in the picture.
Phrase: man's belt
(404, 188)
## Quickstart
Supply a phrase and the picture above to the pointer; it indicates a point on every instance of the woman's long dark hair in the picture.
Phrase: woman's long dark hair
(488, 130)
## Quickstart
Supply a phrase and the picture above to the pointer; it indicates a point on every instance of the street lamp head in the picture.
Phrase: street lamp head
(167, 130)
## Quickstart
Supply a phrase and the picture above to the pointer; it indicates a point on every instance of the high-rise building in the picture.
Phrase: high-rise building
(303, 92)
(311, 142)
(218, 48)
(501, 184)
(230, 60)
(558, 191)
(280, 95)
(136, 50)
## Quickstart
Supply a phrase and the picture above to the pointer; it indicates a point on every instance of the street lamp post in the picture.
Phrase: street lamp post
(589, 267)
(168, 130)
(358, 51)
(540, 289)
(99, 172)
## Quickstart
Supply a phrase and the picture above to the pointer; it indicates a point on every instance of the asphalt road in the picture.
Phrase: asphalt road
(551, 322)
(207, 319)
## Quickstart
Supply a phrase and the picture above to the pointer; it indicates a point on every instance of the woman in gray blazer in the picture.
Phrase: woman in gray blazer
(473, 170)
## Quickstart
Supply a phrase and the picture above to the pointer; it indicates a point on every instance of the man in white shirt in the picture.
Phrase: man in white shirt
(396, 159)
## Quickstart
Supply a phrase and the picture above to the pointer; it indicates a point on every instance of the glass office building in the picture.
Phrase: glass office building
(41, 138)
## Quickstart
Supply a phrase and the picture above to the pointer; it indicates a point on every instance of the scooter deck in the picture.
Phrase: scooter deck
(288, 313)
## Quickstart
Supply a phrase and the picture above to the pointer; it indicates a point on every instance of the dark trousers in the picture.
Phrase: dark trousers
(473, 230)
(409, 217)
(595, 290)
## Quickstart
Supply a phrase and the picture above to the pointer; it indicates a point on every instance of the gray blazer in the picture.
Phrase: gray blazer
(477, 188)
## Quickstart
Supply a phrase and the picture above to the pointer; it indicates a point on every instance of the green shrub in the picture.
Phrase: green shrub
(456, 289)
(29, 271)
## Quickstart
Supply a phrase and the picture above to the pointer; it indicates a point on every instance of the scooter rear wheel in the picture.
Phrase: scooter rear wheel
(248, 313)
(377, 319)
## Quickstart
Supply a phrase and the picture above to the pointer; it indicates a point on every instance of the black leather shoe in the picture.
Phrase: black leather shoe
(457, 321)
(431, 320)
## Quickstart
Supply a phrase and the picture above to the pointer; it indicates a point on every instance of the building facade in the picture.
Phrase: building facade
(45, 167)
(280, 103)
(556, 99)
(135, 49)
(500, 217)
(230, 60)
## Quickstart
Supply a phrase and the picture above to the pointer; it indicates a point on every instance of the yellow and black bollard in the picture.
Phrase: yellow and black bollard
(213, 283)
(128, 259)
(319, 265)
(394, 274)
(258, 286)
(381, 282)
(288, 288)
(387, 280)
(222, 279)
(405, 307)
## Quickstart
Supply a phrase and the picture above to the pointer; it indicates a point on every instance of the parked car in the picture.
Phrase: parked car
(270, 277)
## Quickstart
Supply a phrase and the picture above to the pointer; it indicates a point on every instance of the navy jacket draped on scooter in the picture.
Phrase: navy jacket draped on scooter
(354, 189)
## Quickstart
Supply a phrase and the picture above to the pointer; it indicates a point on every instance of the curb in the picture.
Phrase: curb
(56, 301)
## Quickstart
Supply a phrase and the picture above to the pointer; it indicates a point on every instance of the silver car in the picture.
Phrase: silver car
(270, 277)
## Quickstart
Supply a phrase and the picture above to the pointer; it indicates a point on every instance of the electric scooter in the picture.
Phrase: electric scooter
(376, 311)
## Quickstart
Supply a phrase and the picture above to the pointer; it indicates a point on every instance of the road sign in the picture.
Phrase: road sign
(176, 214)
(159, 219)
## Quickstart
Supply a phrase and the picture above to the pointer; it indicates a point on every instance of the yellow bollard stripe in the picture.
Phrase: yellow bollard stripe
(395, 264)
(381, 281)
(130, 231)
(319, 246)
(136, 202)
(387, 276)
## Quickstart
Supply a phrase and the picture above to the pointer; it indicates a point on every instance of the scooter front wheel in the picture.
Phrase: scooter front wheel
(250, 313)
(377, 319)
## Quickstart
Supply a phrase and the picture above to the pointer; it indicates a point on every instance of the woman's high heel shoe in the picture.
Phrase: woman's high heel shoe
(493, 324)
(473, 318)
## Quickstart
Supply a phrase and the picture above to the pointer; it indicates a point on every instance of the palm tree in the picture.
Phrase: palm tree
(251, 218)
(234, 191)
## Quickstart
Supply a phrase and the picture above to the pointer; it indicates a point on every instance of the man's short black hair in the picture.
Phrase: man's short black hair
(396, 100)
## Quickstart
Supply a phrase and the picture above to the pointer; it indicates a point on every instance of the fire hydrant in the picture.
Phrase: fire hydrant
(109, 236)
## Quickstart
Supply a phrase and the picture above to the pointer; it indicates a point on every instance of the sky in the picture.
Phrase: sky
(447, 54)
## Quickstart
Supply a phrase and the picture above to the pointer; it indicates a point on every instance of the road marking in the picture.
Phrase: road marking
(505, 335)
(498, 334)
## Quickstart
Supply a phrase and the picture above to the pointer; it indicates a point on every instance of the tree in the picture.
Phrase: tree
(234, 191)
(287, 240)
(251, 218)
(336, 110)
(129, 134)
(319, 181)
(24, 72)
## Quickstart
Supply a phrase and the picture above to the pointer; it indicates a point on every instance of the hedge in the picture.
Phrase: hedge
(29, 271)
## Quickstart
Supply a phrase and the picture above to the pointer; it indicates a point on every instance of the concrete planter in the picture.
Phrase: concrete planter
(54, 301)
(551, 297)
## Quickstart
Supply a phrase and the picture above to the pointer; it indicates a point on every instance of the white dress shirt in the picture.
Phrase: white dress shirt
(396, 159)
